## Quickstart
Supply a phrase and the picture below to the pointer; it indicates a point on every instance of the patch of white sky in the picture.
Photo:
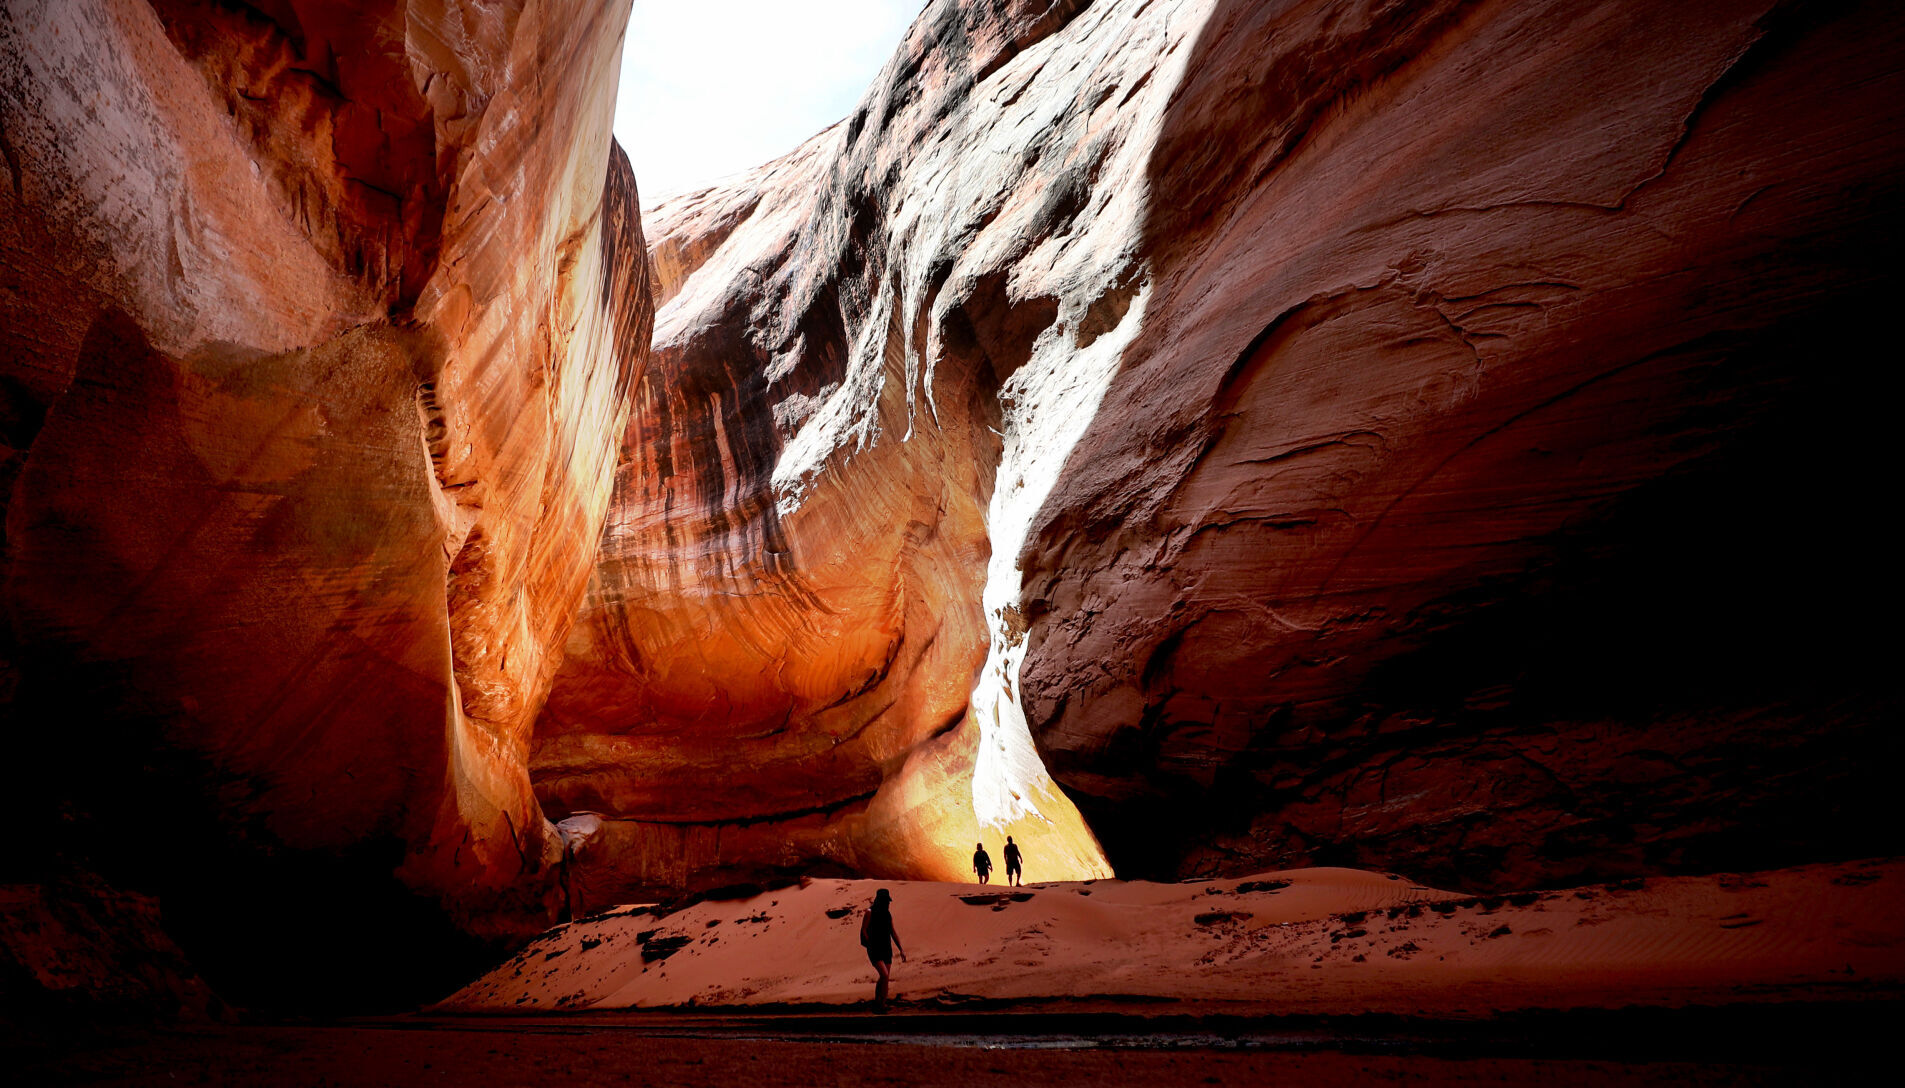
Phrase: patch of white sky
(712, 88)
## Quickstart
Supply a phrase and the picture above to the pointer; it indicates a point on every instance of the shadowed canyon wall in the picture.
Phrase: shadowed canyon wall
(1441, 437)
(319, 325)
(1388, 434)
(1446, 515)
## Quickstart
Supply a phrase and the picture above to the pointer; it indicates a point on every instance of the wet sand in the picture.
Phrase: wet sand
(1814, 1043)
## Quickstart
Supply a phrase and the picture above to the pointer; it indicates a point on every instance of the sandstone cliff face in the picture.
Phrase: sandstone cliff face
(1333, 432)
(319, 326)
(1428, 436)
(1430, 520)
(776, 664)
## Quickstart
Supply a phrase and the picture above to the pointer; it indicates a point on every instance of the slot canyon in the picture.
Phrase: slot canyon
(1194, 437)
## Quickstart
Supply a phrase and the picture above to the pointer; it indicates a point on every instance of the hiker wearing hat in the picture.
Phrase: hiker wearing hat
(879, 939)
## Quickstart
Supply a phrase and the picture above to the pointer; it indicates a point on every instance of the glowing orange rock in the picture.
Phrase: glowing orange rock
(329, 313)
(1283, 413)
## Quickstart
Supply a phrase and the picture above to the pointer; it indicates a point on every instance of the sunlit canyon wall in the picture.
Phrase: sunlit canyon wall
(1388, 434)
(1187, 436)
(319, 323)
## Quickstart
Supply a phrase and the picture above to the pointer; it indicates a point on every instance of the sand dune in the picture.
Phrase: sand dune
(1300, 941)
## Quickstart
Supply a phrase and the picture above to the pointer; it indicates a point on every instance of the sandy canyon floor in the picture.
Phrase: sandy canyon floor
(1322, 975)
(1301, 942)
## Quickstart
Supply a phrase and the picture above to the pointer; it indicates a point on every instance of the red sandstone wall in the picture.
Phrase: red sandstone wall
(1366, 416)
(1438, 519)
(1434, 436)
(318, 326)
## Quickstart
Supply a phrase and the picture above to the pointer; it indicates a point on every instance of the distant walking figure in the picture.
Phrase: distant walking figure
(982, 863)
(1013, 873)
(879, 939)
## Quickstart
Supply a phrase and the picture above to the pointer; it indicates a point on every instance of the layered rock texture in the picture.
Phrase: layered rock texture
(1429, 436)
(788, 652)
(1446, 512)
(1440, 437)
(319, 323)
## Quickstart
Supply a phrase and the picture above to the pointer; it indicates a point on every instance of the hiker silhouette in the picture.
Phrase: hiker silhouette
(879, 938)
(1014, 863)
(982, 863)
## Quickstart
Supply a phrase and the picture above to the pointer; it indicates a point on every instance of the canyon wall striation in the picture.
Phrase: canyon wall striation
(1384, 434)
(319, 324)
(786, 657)
(1189, 436)
(1453, 511)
